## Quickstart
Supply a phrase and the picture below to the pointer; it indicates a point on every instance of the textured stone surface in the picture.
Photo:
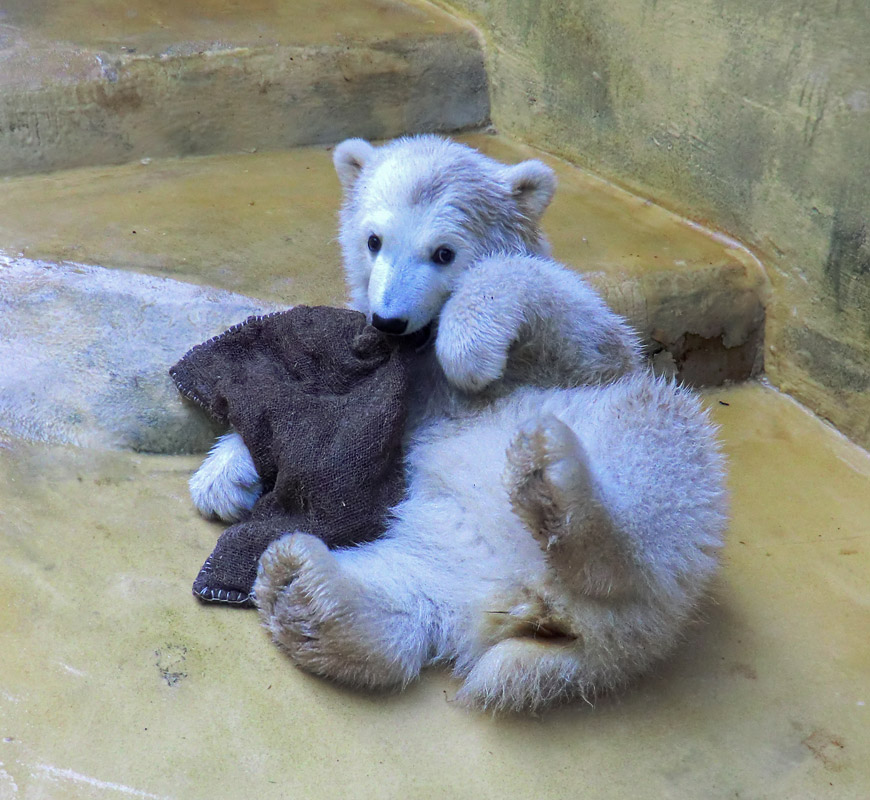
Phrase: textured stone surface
(96, 82)
(265, 225)
(84, 354)
(753, 114)
(116, 683)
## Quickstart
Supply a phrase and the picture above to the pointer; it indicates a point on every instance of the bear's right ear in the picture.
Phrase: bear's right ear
(349, 158)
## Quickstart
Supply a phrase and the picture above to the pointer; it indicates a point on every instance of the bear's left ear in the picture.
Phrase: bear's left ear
(532, 183)
(349, 159)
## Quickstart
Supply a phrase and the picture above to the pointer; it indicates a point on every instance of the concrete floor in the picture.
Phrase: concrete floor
(116, 682)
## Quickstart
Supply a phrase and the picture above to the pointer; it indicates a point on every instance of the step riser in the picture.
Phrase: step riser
(230, 101)
(705, 328)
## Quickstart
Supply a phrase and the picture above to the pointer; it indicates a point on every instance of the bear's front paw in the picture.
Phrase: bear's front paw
(226, 486)
(471, 361)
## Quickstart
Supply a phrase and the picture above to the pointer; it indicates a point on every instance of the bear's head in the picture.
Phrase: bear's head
(419, 211)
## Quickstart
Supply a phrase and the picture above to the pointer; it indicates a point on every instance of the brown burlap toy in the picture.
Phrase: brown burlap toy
(319, 399)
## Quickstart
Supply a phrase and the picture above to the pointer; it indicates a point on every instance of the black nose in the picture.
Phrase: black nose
(392, 325)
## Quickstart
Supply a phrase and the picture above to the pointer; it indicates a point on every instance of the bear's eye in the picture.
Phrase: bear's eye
(374, 243)
(443, 255)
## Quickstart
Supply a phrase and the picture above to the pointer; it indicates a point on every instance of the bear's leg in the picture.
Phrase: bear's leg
(533, 648)
(523, 674)
(226, 486)
(552, 489)
(352, 615)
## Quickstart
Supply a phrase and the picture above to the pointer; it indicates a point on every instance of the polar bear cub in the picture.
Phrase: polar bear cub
(564, 508)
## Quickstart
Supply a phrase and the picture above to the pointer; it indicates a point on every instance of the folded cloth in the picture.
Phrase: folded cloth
(319, 399)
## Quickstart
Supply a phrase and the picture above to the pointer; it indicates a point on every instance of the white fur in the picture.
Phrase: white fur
(564, 507)
(421, 194)
(226, 486)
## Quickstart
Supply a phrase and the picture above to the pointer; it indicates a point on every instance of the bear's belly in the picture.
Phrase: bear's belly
(458, 501)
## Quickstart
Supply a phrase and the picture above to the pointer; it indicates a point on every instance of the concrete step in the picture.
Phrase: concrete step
(96, 82)
(264, 225)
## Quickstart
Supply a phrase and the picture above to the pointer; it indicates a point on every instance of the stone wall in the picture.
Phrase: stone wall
(750, 115)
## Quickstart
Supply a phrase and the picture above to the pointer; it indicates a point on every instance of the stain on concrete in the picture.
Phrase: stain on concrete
(169, 661)
(814, 101)
(524, 17)
(735, 127)
(576, 69)
(828, 748)
(840, 366)
(744, 671)
(118, 99)
(847, 267)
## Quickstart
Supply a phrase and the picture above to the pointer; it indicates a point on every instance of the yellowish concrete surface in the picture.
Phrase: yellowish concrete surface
(261, 216)
(115, 682)
(265, 225)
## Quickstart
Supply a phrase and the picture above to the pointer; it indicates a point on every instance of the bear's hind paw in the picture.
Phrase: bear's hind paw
(547, 476)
